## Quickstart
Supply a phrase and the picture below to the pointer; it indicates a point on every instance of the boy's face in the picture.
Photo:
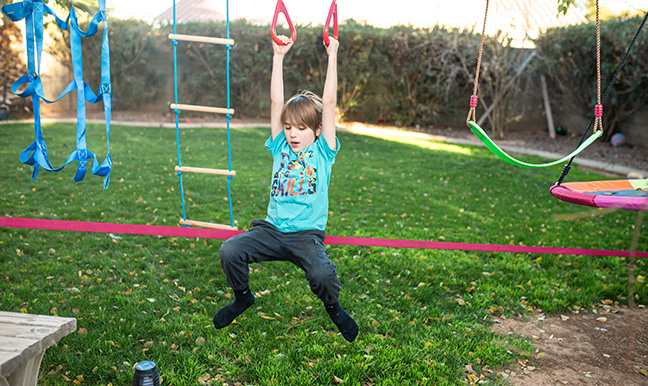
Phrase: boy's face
(299, 136)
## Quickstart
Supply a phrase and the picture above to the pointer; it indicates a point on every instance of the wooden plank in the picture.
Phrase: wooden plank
(11, 361)
(24, 337)
(9, 344)
(201, 109)
(50, 328)
(201, 39)
(34, 320)
(207, 225)
(547, 106)
(27, 373)
(48, 335)
(14, 352)
(219, 172)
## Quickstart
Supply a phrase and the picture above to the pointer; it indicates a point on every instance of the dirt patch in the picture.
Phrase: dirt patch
(606, 347)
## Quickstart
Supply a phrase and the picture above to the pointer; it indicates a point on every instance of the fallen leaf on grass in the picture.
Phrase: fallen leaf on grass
(310, 365)
(204, 380)
(264, 316)
(338, 380)
(56, 370)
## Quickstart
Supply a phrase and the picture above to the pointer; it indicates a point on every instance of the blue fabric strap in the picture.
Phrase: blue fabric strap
(32, 11)
(36, 153)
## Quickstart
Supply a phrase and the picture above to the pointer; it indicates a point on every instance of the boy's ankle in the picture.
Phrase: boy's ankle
(332, 309)
(344, 322)
(243, 294)
(226, 315)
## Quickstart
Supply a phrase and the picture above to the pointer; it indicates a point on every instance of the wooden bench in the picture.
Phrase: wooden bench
(23, 341)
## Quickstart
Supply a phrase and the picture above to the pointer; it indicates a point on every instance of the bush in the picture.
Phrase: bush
(570, 65)
(203, 72)
(403, 75)
(135, 51)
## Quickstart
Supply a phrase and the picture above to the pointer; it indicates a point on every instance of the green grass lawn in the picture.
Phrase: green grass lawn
(424, 315)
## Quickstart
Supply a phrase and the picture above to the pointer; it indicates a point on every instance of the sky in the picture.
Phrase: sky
(376, 12)
(381, 13)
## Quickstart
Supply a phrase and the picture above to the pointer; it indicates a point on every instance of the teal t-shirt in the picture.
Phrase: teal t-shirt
(300, 183)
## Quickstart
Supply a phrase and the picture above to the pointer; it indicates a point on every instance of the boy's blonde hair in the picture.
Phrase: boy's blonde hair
(304, 108)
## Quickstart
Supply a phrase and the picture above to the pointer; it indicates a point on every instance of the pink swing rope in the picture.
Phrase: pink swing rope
(157, 230)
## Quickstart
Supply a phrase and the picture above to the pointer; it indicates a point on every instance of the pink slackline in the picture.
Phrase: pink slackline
(157, 230)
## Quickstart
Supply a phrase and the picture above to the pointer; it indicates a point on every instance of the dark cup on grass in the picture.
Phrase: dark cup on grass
(146, 374)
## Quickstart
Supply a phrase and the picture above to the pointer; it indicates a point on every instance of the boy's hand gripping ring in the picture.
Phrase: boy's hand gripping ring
(281, 8)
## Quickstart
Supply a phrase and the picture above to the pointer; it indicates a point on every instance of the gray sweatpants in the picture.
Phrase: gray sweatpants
(264, 242)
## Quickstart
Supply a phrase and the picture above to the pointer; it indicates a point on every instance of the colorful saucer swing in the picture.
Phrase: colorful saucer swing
(619, 194)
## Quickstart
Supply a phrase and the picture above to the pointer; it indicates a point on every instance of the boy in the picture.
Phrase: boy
(303, 146)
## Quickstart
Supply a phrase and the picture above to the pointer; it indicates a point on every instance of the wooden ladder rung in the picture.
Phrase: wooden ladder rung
(201, 39)
(207, 225)
(218, 172)
(202, 109)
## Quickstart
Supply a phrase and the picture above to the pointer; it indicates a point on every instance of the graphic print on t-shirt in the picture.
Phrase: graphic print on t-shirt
(294, 177)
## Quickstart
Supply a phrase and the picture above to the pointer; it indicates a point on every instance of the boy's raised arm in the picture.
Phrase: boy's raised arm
(277, 86)
(329, 96)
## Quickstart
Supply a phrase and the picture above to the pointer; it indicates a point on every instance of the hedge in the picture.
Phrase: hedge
(569, 62)
(404, 75)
